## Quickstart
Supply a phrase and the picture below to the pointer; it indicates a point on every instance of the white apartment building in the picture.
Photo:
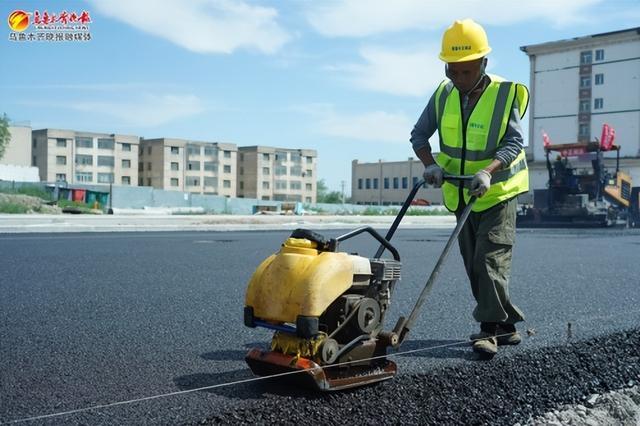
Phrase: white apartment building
(190, 166)
(15, 163)
(277, 174)
(576, 86)
(85, 157)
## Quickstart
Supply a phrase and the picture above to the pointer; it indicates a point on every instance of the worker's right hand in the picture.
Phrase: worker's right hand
(433, 175)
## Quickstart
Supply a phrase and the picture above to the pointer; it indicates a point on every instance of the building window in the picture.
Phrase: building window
(265, 171)
(599, 54)
(193, 181)
(241, 183)
(126, 164)
(149, 150)
(583, 130)
(598, 103)
(175, 150)
(295, 185)
(175, 182)
(281, 170)
(281, 184)
(585, 57)
(104, 160)
(140, 166)
(309, 160)
(126, 180)
(61, 143)
(210, 166)
(148, 181)
(375, 183)
(584, 106)
(84, 177)
(359, 183)
(367, 183)
(226, 168)
(265, 157)
(414, 181)
(106, 143)
(386, 183)
(61, 177)
(226, 184)
(84, 160)
(296, 157)
(126, 147)
(210, 151)
(227, 154)
(265, 185)
(309, 187)
(175, 166)
(211, 181)
(193, 165)
(193, 150)
(105, 177)
(84, 142)
(296, 171)
(309, 173)
(599, 79)
(61, 160)
(405, 182)
(585, 82)
(307, 199)
(140, 182)
(149, 166)
(395, 183)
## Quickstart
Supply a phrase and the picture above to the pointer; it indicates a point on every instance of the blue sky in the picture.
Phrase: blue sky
(347, 78)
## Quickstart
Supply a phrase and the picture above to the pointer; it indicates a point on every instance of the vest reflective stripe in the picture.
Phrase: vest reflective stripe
(485, 130)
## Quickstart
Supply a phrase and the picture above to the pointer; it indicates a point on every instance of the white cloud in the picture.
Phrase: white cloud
(406, 73)
(142, 111)
(203, 26)
(374, 126)
(357, 18)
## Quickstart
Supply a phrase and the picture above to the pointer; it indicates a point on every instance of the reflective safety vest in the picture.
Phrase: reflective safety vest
(465, 151)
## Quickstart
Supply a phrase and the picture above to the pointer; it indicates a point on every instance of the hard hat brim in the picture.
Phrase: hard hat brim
(471, 57)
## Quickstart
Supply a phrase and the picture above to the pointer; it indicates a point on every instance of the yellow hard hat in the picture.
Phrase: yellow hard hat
(464, 41)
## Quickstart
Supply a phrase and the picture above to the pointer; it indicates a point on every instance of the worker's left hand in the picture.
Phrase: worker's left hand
(480, 184)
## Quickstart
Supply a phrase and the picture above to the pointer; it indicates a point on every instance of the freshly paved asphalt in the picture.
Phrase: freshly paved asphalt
(92, 319)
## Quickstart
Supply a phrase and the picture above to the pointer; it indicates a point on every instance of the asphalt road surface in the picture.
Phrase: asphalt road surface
(95, 319)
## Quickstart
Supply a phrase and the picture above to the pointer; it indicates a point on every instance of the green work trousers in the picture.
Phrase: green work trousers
(486, 244)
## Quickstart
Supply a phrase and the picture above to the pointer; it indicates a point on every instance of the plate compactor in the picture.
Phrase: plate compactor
(327, 307)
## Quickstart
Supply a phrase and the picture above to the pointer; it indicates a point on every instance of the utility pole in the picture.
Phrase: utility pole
(342, 185)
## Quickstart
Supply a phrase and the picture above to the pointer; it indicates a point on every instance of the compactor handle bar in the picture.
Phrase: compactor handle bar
(407, 203)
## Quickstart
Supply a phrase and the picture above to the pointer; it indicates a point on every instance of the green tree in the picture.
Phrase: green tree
(5, 136)
(323, 195)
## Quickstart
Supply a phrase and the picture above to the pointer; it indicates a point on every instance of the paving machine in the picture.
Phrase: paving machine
(328, 307)
(591, 197)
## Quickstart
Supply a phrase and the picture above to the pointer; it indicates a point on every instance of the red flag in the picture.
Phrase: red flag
(604, 137)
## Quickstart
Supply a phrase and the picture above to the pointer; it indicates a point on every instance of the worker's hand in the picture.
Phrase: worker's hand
(434, 175)
(480, 184)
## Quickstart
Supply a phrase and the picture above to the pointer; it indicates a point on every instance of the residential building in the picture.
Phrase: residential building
(18, 150)
(576, 86)
(85, 157)
(277, 174)
(389, 183)
(189, 166)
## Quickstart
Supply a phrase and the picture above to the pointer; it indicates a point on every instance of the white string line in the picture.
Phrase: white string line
(220, 385)
(255, 379)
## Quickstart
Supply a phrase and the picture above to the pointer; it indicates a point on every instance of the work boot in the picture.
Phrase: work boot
(486, 342)
(505, 333)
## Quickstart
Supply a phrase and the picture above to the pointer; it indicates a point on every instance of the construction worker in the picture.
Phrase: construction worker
(477, 116)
